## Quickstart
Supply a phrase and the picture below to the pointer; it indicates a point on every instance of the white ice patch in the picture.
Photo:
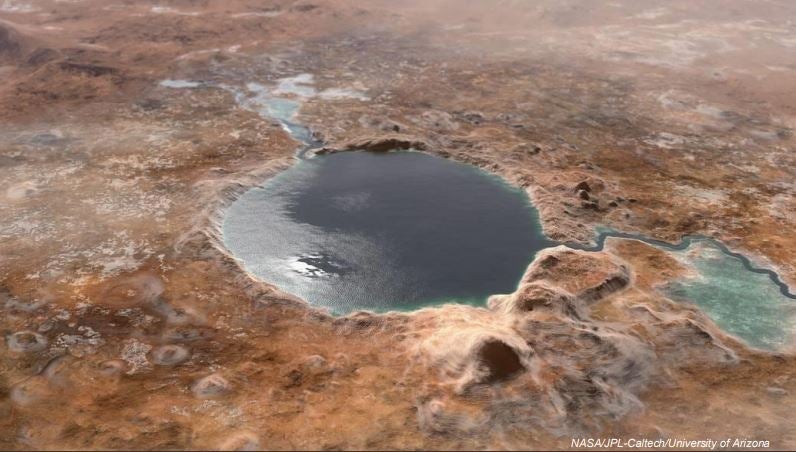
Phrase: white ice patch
(342, 93)
(169, 10)
(674, 100)
(12, 6)
(258, 14)
(672, 45)
(666, 140)
(265, 104)
(21, 190)
(134, 353)
(302, 86)
(190, 55)
(299, 85)
(169, 83)
(710, 111)
(783, 207)
(652, 13)
(86, 342)
(706, 196)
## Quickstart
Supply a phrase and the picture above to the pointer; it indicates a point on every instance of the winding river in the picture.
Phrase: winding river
(310, 228)
(684, 244)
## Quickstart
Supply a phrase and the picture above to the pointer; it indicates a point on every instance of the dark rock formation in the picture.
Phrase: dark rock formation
(91, 70)
(10, 45)
(613, 284)
(583, 185)
(378, 144)
(42, 56)
(498, 360)
(588, 276)
(535, 296)
(473, 117)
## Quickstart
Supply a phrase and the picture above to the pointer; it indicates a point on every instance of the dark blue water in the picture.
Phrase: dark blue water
(385, 231)
(400, 231)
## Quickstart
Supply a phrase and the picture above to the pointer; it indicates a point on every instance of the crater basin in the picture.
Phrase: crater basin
(385, 231)
(741, 302)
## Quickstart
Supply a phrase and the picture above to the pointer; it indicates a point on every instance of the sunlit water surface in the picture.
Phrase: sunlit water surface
(385, 231)
(399, 231)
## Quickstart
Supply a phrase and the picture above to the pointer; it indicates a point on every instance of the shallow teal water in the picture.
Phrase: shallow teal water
(749, 302)
(743, 303)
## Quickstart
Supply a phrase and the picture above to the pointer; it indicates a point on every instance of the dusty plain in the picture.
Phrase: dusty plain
(126, 324)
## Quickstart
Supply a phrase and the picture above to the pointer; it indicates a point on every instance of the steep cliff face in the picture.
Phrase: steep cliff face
(12, 45)
(550, 346)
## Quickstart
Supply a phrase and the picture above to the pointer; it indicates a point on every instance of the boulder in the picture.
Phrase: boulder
(170, 355)
(241, 441)
(381, 143)
(12, 44)
(534, 296)
(211, 386)
(26, 342)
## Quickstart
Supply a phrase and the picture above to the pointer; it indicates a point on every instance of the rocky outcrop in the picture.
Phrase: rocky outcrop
(470, 350)
(170, 355)
(583, 186)
(613, 283)
(588, 276)
(542, 341)
(26, 342)
(241, 441)
(88, 69)
(382, 143)
(535, 296)
(10, 43)
(211, 387)
(14, 44)
(21, 47)
(42, 56)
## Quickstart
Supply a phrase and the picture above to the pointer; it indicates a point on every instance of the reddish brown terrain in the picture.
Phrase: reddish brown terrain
(127, 325)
